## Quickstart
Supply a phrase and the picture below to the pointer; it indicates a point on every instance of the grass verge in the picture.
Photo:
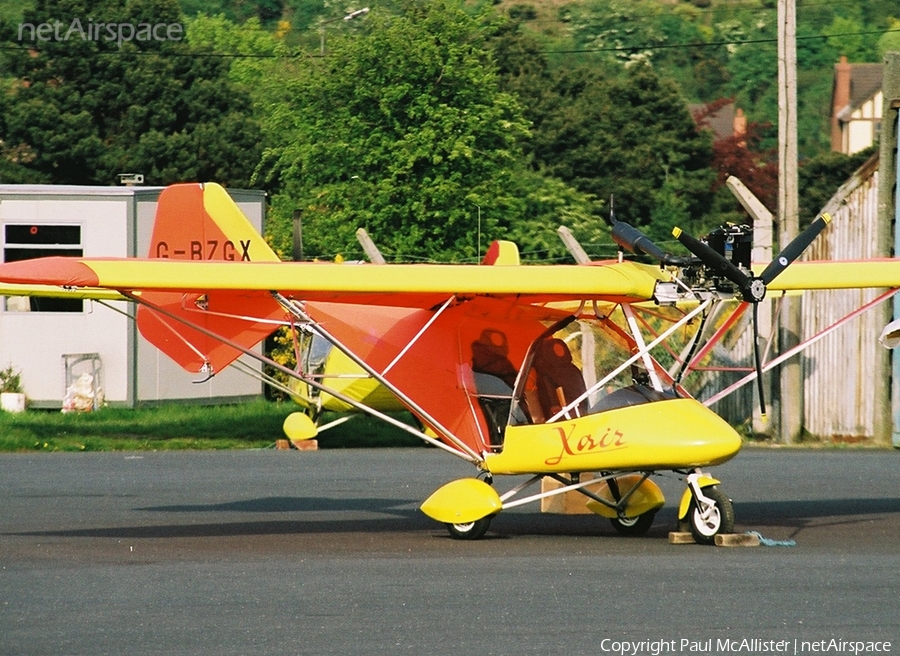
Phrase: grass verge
(174, 427)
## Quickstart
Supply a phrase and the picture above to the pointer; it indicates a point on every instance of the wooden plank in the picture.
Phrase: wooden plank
(681, 537)
(737, 540)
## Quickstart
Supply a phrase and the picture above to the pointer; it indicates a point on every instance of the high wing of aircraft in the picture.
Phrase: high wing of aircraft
(518, 369)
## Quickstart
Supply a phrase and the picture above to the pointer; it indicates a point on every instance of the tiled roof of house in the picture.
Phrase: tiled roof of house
(865, 81)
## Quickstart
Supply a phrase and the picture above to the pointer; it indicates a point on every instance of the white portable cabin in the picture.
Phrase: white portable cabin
(54, 341)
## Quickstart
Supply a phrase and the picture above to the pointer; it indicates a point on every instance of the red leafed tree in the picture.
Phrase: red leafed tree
(740, 154)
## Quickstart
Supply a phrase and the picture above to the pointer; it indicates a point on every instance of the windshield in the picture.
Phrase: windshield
(315, 350)
(561, 373)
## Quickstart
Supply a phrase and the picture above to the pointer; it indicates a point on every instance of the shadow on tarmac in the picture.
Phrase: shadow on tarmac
(404, 516)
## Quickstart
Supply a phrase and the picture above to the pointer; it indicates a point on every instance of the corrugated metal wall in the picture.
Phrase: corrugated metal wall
(838, 386)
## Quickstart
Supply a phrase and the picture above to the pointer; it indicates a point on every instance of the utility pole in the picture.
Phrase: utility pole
(297, 217)
(791, 396)
(889, 214)
(369, 247)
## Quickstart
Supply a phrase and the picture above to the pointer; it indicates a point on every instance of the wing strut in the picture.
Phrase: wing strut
(792, 352)
(292, 308)
(418, 335)
(642, 349)
(642, 352)
(467, 455)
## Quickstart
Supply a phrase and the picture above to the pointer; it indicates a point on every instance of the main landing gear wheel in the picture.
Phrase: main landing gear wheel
(633, 525)
(470, 531)
(720, 519)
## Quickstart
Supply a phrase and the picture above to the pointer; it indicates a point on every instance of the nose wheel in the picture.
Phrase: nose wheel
(710, 516)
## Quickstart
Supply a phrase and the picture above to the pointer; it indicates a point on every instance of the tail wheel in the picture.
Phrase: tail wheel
(470, 531)
(633, 525)
(719, 519)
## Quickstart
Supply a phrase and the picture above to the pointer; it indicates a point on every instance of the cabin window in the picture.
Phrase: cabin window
(31, 241)
(563, 369)
(494, 376)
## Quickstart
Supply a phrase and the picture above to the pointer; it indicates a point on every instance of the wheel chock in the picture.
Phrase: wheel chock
(305, 445)
(721, 540)
(681, 537)
(737, 540)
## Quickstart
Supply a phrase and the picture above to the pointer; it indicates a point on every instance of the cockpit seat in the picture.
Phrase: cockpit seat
(559, 381)
(495, 377)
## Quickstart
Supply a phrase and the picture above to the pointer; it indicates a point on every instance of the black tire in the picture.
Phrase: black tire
(721, 520)
(471, 531)
(633, 525)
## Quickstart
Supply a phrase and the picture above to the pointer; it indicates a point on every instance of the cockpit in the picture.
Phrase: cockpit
(575, 368)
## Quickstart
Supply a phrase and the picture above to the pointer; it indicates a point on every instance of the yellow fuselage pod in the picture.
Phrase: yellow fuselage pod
(367, 391)
(670, 434)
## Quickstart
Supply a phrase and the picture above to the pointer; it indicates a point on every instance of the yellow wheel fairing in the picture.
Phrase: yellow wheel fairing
(298, 426)
(671, 434)
(462, 501)
(702, 482)
(646, 498)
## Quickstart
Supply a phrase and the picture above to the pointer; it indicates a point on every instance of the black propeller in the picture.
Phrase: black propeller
(634, 241)
(753, 288)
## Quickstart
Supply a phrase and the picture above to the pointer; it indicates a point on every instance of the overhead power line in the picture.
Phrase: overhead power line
(629, 48)
(709, 44)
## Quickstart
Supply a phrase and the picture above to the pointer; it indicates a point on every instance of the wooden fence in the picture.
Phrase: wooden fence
(839, 387)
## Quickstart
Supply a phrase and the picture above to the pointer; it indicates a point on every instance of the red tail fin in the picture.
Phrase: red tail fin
(201, 222)
(502, 253)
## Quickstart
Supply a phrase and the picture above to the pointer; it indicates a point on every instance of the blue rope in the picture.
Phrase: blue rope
(766, 542)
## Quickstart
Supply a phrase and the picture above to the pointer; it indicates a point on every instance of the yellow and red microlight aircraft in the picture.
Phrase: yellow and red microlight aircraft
(482, 355)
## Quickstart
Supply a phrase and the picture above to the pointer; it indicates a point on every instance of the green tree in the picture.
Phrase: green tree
(821, 176)
(265, 11)
(890, 41)
(86, 109)
(632, 138)
(402, 129)
(544, 204)
(257, 61)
